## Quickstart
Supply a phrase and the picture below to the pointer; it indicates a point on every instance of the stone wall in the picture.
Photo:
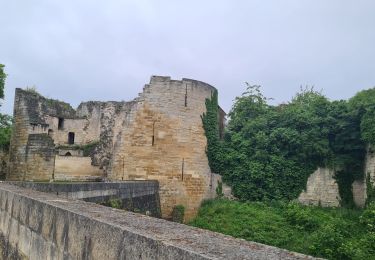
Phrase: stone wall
(140, 196)
(163, 139)
(40, 157)
(36, 225)
(157, 136)
(68, 168)
(321, 189)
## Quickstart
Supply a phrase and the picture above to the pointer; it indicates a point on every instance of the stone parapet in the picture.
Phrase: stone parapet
(36, 225)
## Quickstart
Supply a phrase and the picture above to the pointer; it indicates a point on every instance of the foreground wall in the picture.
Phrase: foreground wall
(36, 225)
(137, 196)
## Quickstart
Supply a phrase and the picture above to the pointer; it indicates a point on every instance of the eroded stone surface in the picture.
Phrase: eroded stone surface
(40, 225)
(157, 136)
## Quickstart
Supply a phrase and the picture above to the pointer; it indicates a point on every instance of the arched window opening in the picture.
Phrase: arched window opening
(68, 154)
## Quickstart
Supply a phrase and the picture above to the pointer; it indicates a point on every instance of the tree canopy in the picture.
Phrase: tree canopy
(269, 151)
(5, 120)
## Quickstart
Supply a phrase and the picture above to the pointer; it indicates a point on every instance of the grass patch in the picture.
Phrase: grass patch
(333, 233)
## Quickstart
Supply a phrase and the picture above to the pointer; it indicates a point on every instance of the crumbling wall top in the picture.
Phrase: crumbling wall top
(37, 105)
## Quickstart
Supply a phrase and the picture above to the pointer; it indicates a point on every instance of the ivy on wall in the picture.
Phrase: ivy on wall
(211, 127)
(269, 151)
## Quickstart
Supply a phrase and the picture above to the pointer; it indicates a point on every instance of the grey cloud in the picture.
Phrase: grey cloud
(107, 50)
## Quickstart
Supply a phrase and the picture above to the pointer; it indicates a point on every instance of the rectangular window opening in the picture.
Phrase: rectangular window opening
(70, 138)
(60, 125)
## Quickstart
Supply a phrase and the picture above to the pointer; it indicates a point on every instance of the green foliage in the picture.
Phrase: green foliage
(113, 203)
(32, 89)
(89, 148)
(301, 217)
(219, 189)
(211, 126)
(5, 120)
(178, 213)
(5, 131)
(333, 233)
(370, 189)
(269, 151)
(368, 217)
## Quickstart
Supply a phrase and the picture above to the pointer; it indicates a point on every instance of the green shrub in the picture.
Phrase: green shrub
(368, 217)
(332, 233)
(301, 217)
(331, 242)
(114, 203)
(178, 213)
(219, 189)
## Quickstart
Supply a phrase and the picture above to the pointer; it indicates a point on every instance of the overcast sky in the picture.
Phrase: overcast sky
(80, 50)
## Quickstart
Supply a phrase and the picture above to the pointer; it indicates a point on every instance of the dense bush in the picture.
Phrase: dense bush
(368, 217)
(113, 203)
(178, 213)
(268, 151)
(333, 233)
(5, 120)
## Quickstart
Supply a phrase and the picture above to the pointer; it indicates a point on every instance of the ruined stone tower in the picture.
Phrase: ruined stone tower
(157, 136)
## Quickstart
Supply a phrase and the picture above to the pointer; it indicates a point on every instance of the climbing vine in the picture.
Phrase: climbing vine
(269, 151)
(211, 127)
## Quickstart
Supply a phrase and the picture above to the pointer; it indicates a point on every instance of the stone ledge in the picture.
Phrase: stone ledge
(55, 228)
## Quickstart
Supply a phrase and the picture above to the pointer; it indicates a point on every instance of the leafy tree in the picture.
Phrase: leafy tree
(269, 151)
(5, 131)
(5, 120)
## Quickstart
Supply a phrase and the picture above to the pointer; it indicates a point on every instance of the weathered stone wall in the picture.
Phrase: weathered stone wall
(321, 189)
(157, 136)
(68, 168)
(36, 225)
(360, 187)
(140, 196)
(163, 139)
(35, 115)
(20, 135)
(40, 157)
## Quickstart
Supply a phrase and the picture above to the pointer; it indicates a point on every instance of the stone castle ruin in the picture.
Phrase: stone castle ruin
(157, 136)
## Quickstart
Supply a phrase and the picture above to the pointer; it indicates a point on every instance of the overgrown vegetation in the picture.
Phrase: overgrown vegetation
(5, 120)
(178, 213)
(333, 233)
(211, 127)
(113, 203)
(219, 189)
(269, 151)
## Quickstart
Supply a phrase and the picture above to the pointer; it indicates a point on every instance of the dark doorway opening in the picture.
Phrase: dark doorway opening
(68, 154)
(60, 125)
(70, 138)
(50, 132)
